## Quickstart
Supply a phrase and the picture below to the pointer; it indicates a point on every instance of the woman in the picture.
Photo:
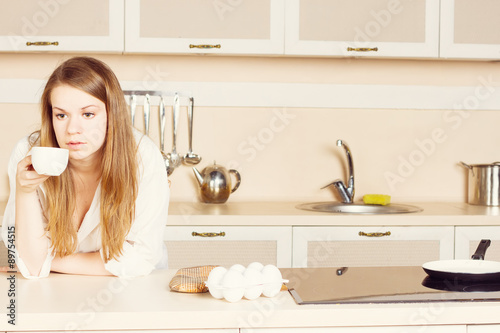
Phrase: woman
(105, 214)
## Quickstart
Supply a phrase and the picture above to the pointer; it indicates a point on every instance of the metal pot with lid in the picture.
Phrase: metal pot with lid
(484, 184)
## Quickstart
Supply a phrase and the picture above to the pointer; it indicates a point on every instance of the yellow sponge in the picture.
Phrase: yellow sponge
(377, 199)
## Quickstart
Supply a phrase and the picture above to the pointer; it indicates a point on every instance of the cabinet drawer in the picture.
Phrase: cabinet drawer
(370, 246)
(226, 246)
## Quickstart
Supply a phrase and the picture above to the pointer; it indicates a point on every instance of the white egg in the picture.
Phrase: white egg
(238, 268)
(254, 287)
(272, 280)
(256, 265)
(233, 284)
(214, 281)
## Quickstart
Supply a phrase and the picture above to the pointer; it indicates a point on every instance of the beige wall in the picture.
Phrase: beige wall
(293, 160)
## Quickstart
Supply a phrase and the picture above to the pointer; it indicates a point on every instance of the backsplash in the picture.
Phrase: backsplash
(288, 153)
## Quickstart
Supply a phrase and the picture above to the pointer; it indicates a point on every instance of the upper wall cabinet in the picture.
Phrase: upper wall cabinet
(470, 29)
(201, 26)
(364, 28)
(62, 25)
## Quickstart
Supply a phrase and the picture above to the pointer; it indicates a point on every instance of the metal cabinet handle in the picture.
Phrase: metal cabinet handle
(363, 49)
(208, 234)
(204, 46)
(41, 43)
(374, 234)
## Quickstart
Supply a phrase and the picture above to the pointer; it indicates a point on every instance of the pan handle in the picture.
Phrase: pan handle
(481, 249)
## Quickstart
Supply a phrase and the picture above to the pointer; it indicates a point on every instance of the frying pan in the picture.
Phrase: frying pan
(461, 286)
(473, 270)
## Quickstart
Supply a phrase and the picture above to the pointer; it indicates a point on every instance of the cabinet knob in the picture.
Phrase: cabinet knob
(41, 43)
(374, 234)
(363, 49)
(204, 46)
(208, 234)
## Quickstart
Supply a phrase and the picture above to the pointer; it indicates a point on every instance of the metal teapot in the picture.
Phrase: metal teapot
(215, 183)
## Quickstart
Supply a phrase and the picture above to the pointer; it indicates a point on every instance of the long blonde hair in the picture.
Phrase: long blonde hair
(119, 166)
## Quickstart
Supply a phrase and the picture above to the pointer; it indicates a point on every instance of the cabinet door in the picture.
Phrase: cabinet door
(469, 29)
(364, 28)
(200, 26)
(483, 328)
(4, 254)
(467, 239)
(370, 246)
(226, 246)
(379, 329)
(62, 25)
(220, 330)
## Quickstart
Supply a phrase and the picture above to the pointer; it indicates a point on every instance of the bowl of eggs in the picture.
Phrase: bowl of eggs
(249, 282)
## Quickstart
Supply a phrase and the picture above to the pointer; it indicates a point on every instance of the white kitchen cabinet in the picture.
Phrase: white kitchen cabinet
(469, 29)
(483, 328)
(226, 246)
(200, 26)
(62, 25)
(467, 239)
(4, 254)
(380, 329)
(362, 28)
(370, 246)
(222, 330)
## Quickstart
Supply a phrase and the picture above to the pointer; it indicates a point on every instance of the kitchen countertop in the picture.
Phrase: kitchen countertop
(73, 302)
(285, 214)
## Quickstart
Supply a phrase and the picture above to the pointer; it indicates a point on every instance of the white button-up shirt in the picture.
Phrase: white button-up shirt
(143, 249)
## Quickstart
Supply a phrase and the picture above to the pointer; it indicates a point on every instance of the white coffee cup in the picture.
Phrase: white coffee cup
(49, 161)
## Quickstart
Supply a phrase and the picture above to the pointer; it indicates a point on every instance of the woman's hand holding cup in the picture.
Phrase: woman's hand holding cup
(49, 161)
(34, 169)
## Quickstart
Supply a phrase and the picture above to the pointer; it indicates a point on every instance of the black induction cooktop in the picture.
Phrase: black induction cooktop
(350, 285)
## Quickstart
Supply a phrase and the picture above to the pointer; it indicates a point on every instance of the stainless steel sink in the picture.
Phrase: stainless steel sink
(358, 208)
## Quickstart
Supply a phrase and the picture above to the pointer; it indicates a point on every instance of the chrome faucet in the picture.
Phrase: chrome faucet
(346, 193)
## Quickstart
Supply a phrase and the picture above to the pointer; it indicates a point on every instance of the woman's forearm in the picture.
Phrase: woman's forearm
(89, 263)
(31, 242)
